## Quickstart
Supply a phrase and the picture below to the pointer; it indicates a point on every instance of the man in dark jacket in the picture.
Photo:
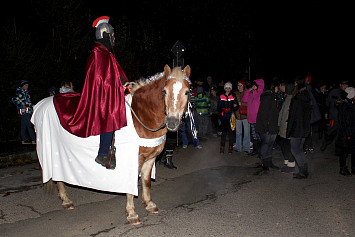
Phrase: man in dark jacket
(299, 126)
(345, 142)
(267, 126)
(332, 114)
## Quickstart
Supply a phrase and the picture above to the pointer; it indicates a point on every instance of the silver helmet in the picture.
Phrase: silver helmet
(102, 26)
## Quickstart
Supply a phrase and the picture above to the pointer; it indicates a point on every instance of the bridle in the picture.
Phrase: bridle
(165, 120)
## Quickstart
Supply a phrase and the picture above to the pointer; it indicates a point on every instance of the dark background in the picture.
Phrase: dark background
(48, 41)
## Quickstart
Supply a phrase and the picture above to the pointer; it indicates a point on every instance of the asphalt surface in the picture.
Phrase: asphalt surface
(208, 195)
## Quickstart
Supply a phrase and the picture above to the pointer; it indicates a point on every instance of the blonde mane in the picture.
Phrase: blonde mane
(177, 73)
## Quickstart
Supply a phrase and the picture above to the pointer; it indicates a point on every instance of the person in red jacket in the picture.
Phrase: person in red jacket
(100, 108)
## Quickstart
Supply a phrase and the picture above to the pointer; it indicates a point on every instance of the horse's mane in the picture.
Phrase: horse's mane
(177, 73)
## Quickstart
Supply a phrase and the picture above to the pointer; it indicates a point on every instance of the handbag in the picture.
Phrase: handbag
(243, 110)
(111, 156)
(233, 122)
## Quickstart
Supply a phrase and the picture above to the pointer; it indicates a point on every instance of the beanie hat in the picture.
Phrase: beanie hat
(23, 82)
(228, 84)
(351, 92)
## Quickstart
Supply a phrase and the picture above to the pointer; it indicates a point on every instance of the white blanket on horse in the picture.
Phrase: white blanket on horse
(71, 159)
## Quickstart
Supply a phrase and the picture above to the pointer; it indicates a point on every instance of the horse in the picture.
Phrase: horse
(157, 105)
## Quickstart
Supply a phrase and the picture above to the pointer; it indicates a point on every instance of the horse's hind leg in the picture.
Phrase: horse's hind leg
(146, 172)
(62, 194)
(132, 216)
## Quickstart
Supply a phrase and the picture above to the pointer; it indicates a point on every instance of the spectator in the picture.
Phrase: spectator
(345, 142)
(299, 126)
(202, 106)
(285, 145)
(52, 91)
(266, 126)
(332, 114)
(242, 126)
(315, 114)
(22, 100)
(66, 87)
(252, 98)
(213, 111)
(321, 98)
(209, 85)
(227, 104)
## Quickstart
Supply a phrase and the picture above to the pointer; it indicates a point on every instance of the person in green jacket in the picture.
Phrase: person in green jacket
(202, 107)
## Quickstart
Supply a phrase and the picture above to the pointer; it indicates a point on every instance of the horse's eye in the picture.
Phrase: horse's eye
(186, 92)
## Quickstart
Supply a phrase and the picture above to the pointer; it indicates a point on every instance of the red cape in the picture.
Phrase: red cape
(100, 107)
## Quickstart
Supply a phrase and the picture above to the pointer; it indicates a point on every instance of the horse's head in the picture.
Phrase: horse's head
(176, 95)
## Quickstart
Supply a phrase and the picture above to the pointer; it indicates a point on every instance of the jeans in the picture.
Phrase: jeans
(105, 143)
(184, 136)
(297, 151)
(285, 146)
(267, 144)
(242, 128)
(26, 125)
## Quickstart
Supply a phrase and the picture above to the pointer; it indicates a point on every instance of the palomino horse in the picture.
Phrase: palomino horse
(158, 105)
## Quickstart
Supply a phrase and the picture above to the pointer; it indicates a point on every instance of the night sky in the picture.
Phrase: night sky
(286, 39)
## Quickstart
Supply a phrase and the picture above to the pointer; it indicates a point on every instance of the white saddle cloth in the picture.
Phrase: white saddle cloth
(71, 159)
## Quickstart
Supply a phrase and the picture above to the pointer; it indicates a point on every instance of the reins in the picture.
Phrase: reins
(149, 129)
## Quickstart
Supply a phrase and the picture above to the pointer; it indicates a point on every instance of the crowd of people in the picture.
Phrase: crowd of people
(259, 116)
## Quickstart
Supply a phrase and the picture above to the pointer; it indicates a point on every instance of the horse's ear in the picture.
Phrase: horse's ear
(187, 71)
(167, 70)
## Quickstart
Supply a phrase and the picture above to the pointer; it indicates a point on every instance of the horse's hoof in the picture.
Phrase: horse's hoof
(68, 206)
(152, 210)
(133, 220)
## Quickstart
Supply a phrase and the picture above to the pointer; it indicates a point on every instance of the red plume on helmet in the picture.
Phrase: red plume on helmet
(101, 19)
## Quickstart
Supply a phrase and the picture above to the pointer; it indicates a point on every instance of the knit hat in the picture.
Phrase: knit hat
(351, 92)
(23, 82)
(228, 84)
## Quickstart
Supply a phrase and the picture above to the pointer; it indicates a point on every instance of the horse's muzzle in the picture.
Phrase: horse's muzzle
(173, 123)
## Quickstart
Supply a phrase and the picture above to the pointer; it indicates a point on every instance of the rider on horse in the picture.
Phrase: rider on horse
(100, 108)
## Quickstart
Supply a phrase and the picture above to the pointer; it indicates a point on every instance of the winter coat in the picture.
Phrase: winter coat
(252, 98)
(345, 142)
(268, 114)
(299, 118)
(239, 98)
(202, 103)
(226, 106)
(21, 99)
(283, 116)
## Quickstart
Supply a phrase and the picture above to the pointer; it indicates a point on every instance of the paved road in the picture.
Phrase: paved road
(208, 195)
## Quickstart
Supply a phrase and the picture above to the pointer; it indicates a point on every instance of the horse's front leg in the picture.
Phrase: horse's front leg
(146, 172)
(62, 194)
(132, 216)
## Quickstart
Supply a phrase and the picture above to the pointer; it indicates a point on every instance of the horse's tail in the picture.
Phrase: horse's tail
(49, 186)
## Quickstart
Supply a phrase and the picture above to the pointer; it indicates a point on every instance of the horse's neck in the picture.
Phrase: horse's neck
(148, 104)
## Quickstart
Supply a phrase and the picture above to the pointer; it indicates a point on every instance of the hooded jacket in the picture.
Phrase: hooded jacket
(252, 98)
